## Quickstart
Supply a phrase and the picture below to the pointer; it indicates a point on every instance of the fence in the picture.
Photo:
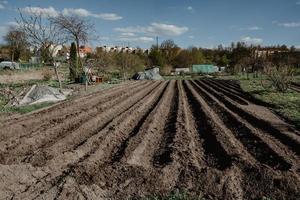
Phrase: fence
(30, 65)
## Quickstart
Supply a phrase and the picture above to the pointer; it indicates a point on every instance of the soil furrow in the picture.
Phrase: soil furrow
(215, 154)
(121, 150)
(237, 93)
(163, 156)
(256, 147)
(84, 131)
(64, 105)
(289, 140)
(34, 122)
(98, 152)
(115, 134)
(51, 133)
(68, 164)
(152, 137)
(228, 94)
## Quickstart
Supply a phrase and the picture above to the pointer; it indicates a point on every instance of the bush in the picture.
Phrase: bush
(280, 76)
(47, 75)
(165, 70)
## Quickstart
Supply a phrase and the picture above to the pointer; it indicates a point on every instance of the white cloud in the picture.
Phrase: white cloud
(108, 16)
(85, 13)
(290, 24)
(126, 34)
(254, 28)
(156, 29)
(72, 11)
(249, 28)
(191, 36)
(298, 3)
(297, 46)
(103, 38)
(190, 8)
(131, 29)
(50, 11)
(3, 4)
(166, 29)
(136, 39)
(250, 40)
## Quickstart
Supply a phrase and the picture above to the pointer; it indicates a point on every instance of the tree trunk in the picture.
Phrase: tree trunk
(57, 76)
(86, 82)
(13, 56)
(78, 54)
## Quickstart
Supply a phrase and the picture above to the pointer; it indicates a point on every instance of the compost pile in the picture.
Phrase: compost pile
(205, 137)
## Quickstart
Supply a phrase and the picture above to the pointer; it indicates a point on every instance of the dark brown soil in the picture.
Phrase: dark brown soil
(207, 138)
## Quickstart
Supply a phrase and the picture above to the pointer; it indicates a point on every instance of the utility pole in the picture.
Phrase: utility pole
(157, 42)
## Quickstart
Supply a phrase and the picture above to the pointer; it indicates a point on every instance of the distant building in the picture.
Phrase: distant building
(268, 51)
(84, 50)
(119, 49)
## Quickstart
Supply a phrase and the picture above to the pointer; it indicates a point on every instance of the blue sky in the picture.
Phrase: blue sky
(204, 23)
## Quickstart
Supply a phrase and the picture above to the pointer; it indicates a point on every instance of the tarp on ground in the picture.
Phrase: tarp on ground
(149, 74)
(43, 93)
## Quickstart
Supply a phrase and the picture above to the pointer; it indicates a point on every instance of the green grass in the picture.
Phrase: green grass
(286, 104)
(177, 77)
(24, 109)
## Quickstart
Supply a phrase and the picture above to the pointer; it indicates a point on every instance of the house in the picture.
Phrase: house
(268, 51)
(120, 49)
(84, 50)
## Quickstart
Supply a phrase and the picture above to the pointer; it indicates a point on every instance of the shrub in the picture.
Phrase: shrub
(280, 76)
(47, 75)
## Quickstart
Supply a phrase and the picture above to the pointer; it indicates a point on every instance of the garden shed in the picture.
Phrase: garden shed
(206, 69)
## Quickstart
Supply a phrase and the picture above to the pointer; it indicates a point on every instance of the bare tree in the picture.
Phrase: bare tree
(77, 29)
(43, 35)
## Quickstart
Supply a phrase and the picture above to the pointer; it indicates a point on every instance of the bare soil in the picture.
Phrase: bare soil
(205, 137)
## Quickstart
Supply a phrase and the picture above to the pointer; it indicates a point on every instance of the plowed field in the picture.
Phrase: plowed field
(205, 137)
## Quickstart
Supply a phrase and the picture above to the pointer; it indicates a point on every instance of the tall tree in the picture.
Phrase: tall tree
(42, 34)
(16, 40)
(169, 50)
(156, 57)
(77, 28)
(73, 62)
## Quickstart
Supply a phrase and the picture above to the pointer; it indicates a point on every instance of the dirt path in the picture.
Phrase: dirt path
(205, 137)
